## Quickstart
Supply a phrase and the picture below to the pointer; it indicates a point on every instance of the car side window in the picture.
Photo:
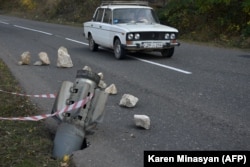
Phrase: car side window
(98, 15)
(107, 16)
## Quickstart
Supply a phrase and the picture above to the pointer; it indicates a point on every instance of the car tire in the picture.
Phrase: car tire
(92, 45)
(119, 51)
(167, 52)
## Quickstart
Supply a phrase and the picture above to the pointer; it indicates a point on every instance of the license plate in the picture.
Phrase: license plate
(152, 45)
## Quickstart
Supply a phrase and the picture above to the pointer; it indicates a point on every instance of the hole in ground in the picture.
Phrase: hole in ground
(85, 144)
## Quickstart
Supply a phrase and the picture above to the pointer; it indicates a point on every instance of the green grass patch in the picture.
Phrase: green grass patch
(22, 143)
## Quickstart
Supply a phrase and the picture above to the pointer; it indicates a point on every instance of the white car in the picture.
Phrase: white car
(129, 27)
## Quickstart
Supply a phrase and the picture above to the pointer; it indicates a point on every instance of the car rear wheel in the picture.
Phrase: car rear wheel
(167, 52)
(119, 51)
(92, 45)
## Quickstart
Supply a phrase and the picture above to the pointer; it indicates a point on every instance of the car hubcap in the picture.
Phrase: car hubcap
(117, 48)
(91, 43)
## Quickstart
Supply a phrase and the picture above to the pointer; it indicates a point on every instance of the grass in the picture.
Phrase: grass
(22, 143)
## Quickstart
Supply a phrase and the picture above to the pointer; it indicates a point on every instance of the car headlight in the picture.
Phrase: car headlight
(167, 36)
(137, 36)
(172, 36)
(130, 36)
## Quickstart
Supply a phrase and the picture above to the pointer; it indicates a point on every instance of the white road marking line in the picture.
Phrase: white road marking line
(4, 22)
(72, 40)
(26, 28)
(162, 65)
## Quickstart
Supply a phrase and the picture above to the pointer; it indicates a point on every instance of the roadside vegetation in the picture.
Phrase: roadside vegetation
(223, 22)
(23, 143)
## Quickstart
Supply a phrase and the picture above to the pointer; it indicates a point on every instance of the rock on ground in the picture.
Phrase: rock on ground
(111, 89)
(87, 68)
(64, 59)
(128, 100)
(44, 58)
(102, 84)
(38, 63)
(25, 58)
(142, 121)
(101, 75)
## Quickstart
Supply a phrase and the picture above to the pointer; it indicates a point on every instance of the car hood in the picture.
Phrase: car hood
(143, 27)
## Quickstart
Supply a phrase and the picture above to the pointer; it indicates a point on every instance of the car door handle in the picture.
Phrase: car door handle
(91, 25)
(100, 26)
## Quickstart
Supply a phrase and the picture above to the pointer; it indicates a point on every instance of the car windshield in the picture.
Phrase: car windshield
(134, 15)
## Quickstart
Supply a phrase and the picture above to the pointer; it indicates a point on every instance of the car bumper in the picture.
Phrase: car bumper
(150, 46)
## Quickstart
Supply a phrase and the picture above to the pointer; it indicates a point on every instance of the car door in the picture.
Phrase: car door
(105, 27)
(96, 25)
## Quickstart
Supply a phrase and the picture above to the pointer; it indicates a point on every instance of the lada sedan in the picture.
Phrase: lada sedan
(129, 27)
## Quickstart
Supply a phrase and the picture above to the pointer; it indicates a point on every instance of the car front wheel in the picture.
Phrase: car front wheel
(119, 51)
(167, 52)
(92, 45)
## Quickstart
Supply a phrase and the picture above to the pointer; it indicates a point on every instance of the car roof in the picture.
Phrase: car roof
(124, 6)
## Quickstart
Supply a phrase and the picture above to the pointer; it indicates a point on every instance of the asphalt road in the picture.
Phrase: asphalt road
(197, 100)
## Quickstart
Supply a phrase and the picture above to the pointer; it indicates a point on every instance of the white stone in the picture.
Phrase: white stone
(64, 59)
(111, 89)
(87, 68)
(142, 121)
(43, 56)
(38, 63)
(102, 84)
(20, 63)
(101, 75)
(25, 58)
(128, 100)
(132, 135)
